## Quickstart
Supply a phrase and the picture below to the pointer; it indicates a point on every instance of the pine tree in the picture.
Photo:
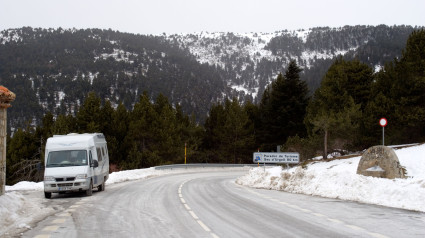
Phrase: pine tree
(118, 131)
(213, 131)
(399, 94)
(140, 136)
(65, 125)
(336, 108)
(229, 133)
(282, 109)
(89, 117)
(238, 136)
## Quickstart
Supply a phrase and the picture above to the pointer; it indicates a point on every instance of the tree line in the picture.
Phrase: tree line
(342, 115)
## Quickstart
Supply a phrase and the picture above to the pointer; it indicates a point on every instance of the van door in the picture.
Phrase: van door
(98, 171)
(92, 169)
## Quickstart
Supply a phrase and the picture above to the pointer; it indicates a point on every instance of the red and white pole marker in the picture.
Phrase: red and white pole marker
(383, 122)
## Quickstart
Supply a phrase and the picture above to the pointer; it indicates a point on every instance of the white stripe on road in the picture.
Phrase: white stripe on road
(203, 226)
(192, 213)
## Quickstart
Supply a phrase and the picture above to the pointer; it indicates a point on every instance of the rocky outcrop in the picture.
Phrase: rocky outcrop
(382, 162)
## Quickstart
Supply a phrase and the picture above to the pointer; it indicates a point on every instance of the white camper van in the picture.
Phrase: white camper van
(75, 163)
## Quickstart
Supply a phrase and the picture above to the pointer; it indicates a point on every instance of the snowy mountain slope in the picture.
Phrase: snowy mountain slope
(253, 60)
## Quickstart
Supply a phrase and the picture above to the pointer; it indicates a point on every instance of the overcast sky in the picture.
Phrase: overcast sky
(188, 16)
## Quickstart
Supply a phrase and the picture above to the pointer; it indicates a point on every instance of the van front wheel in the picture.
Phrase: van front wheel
(47, 195)
(89, 191)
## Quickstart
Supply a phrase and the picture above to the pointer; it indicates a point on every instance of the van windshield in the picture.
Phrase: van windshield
(66, 158)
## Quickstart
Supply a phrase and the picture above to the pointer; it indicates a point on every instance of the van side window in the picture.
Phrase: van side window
(99, 154)
(103, 152)
(106, 151)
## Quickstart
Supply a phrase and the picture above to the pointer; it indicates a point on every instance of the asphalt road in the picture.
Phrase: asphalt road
(210, 204)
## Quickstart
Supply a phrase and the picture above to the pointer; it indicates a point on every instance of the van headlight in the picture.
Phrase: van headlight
(49, 178)
(81, 176)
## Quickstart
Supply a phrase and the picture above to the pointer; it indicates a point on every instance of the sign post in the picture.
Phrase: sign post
(383, 122)
(6, 97)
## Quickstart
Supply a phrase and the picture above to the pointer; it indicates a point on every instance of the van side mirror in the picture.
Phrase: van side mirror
(94, 164)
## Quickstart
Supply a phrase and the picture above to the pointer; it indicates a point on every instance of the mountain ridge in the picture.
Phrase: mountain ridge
(54, 69)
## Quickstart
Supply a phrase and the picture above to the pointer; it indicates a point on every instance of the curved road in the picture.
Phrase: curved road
(210, 204)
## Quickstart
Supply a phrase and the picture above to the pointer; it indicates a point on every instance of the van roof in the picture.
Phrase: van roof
(98, 135)
(74, 140)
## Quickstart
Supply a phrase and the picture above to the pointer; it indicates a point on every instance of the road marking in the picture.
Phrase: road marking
(335, 220)
(214, 235)
(355, 227)
(203, 225)
(318, 214)
(294, 206)
(377, 235)
(194, 215)
(50, 228)
(305, 210)
(284, 203)
(74, 206)
(42, 236)
(58, 221)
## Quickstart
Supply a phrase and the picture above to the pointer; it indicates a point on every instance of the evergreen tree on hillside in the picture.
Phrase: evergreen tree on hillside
(282, 109)
(213, 133)
(118, 131)
(229, 136)
(140, 137)
(238, 139)
(22, 150)
(399, 95)
(336, 108)
(89, 117)
(65, 124)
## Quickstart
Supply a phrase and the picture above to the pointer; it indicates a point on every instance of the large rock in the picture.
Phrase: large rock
(382, 162)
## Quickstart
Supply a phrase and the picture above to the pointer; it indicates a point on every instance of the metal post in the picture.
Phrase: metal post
(3, 120)
(383, 136)
(6, 97)
(185, 153)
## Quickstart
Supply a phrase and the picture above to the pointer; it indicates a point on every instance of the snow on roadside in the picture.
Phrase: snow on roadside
(18, 210)
(338, 179)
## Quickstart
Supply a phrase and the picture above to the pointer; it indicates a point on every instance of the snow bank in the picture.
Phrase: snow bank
(17, 211)
(338, 179)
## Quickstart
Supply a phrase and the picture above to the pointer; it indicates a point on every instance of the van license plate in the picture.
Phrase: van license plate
(64, 188)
